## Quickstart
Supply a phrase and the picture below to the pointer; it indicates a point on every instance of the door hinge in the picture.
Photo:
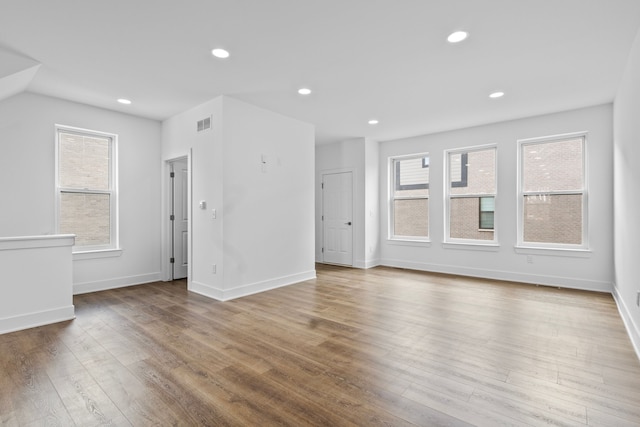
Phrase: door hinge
(322, 250)
(172, 260)
(322, 218)
(172, 175)
(323, 185)
(172, 217)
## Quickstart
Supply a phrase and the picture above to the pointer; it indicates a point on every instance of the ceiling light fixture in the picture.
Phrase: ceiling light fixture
(457, 37)
(220, 53)
(373, 122)
(124, 101)
(304, 91)
(496, 95)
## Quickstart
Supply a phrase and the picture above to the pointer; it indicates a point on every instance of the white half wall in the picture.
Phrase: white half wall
(627, 195)
(592, 270)
(27, 173)
(37, 286)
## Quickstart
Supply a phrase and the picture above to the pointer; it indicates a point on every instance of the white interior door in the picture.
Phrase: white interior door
(179, 218)
(337, 215)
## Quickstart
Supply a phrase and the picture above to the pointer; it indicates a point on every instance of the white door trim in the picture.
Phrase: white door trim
(179, 217)
(166, 224)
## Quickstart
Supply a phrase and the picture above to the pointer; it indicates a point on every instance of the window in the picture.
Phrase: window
(471, 193)
(487, 209)
(410, 198)
(552, 199)
(86, 190)
(459, 171)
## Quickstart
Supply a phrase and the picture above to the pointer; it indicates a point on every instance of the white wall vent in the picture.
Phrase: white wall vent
(204, 124)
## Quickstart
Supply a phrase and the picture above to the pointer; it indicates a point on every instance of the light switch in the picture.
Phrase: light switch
(213, 213)
(203, 204)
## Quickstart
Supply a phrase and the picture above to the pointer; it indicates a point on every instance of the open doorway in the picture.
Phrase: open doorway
(178, 218)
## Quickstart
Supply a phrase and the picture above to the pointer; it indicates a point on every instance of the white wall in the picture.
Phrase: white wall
(269, 216)
(593, 271)
(263, 234)
(627, 194)
(27, 165)
(372, 203)
(180, 138)
(360, 156)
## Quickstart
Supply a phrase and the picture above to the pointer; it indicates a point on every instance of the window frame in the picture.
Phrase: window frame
(464, 151)
(521, 244)
(393, 183)
(91, 251)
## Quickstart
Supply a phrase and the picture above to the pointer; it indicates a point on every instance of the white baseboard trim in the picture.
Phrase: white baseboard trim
(632, 329)
(118, 282)
(33, 320)
(556, 281)
(206, 290)
(365, 264)
(250, 289)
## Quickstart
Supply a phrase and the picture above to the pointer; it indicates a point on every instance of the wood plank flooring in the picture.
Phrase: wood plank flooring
(379, 347)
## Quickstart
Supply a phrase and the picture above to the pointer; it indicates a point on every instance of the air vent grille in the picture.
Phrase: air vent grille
(204, 124)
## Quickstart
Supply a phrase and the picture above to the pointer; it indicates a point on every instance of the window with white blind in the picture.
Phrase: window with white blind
(409, 216)
(86, 188)
(470, 195)
(552, 199)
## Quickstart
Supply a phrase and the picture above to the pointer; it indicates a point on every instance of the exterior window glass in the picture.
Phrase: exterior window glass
(553, 192)
(487, 209)
(410, 198)
(86, 189)
(471, 193)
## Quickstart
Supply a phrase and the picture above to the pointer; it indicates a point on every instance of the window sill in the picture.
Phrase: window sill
(103, 253)
(568, 252)
(472, 246)
(418, 243)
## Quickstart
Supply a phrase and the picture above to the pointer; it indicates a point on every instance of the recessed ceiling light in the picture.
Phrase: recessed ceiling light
(124, 101)
(304, 91)
(496, 95)
(373, 122)
(220, 53)
(457, 37)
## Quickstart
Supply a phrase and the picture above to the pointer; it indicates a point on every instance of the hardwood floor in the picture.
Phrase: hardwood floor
(353, 347)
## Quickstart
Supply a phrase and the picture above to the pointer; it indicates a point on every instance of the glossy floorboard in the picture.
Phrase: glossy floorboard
(353, 347)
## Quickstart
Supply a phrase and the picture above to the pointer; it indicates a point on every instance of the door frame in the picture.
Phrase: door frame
(166, 223)
(353, 211)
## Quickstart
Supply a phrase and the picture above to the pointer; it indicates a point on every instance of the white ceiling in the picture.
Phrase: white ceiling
(384, 59)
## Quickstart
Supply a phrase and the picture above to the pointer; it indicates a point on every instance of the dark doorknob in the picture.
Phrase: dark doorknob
(347, 223)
